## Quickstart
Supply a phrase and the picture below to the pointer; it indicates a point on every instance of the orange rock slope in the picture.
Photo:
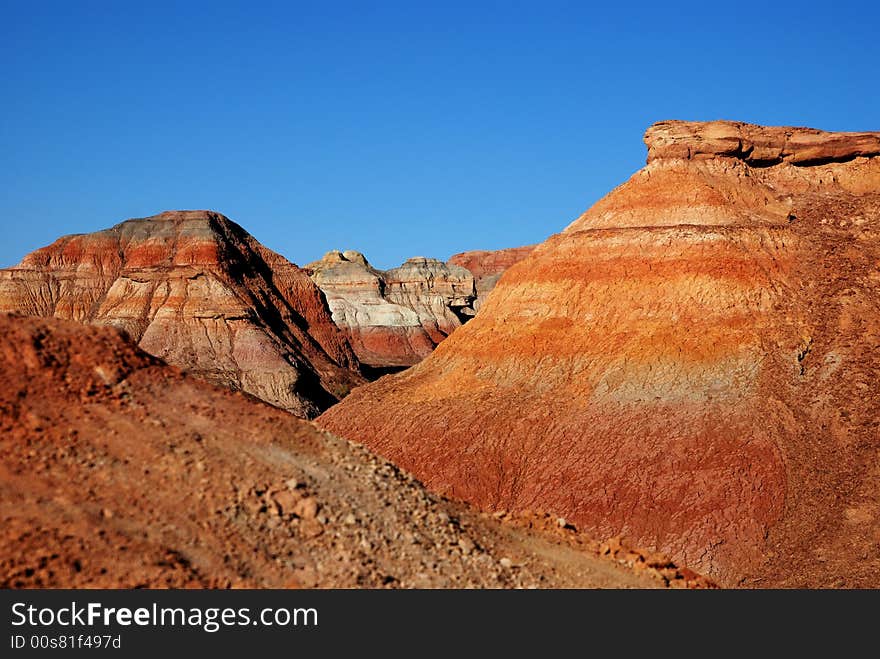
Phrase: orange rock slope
(692, 363)
(195, 289)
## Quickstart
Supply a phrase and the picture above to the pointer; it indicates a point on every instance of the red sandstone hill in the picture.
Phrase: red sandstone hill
(692, 363)
(117, 470)
(195, 289)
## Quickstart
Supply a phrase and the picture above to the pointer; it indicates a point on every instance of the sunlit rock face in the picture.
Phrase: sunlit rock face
(195, 289)
(394, 318)
(692, 363)
(487, 266)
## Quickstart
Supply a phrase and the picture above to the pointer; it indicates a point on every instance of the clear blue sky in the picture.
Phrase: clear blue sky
(399, 129)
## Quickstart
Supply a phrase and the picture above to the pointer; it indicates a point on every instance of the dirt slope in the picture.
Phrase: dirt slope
(116, 470)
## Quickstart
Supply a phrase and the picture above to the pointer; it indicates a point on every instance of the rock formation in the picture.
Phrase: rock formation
(692, 363)
(118, 471)
(758, 146)
(487, 266)
(394, 318)
(195, 289)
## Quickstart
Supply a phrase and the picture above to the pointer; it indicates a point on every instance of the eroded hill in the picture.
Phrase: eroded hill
(197, 290)
(692, 363)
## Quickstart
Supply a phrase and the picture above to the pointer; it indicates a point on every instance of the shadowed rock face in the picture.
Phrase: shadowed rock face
(394, 318)
(691, 363)
(197, 290)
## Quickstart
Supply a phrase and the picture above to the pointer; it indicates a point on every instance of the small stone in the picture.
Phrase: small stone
(310, 528)
(668, 573)
(286, 501)
(610, 546)
(688, 575)
(349, 520)
(306, 508)
(253, 506)
(466, 545)
(506, 563)
(631, 557)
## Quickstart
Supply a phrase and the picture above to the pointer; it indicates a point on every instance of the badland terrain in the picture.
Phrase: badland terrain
(680, 383)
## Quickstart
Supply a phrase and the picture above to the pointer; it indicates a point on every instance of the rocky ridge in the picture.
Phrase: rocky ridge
(759, 146)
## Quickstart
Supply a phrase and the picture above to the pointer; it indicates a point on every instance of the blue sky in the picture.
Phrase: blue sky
(399, 129)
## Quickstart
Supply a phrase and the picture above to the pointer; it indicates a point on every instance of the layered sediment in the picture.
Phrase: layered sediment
(394, 318)
(691, 363)
(196, 290)
(119, 471)
(487, 266)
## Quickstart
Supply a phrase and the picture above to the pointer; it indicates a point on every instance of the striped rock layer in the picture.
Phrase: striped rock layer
(487, 266)
(394, 318)
(195, 289)
(692, 364)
